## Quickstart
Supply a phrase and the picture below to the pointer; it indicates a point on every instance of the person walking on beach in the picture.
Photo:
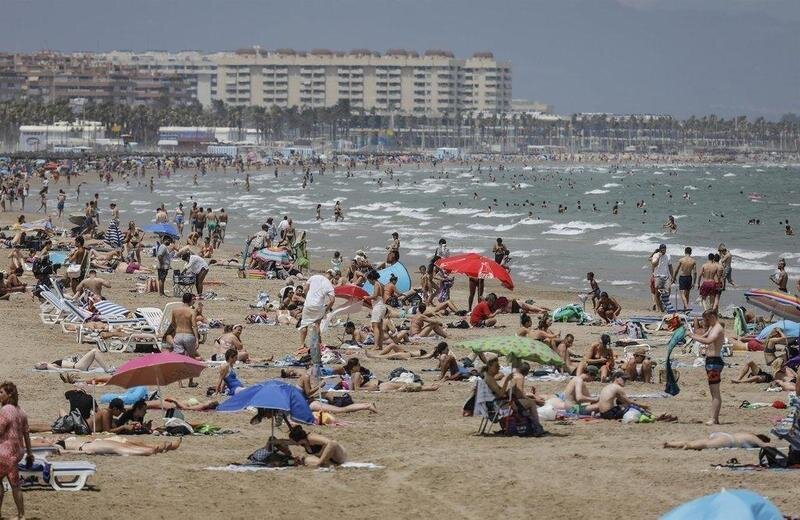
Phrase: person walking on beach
(500, 253)
(713, 338)
(687, 275)
(14, 439)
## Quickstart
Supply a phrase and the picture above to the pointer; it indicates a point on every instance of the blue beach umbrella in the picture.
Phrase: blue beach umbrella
(162, 229)
(273, 395)
(737, 504)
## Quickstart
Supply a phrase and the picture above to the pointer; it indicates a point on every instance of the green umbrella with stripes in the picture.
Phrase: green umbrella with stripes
(515, 348)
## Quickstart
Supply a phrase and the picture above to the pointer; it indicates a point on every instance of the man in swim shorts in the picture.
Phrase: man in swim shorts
(708, 282)
(184, 320)
(712, 339)
(687, 275)
(612, 403)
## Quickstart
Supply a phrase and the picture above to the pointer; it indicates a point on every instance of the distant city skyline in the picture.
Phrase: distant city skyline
(682, 57)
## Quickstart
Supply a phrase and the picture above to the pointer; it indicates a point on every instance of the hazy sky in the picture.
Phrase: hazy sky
(727, 57)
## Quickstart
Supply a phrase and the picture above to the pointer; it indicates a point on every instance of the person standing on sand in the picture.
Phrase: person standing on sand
(780, 277)
(725, 260)
(687, 275)
(184, 321)
(707, 283)
(712, 338)
(663, 274)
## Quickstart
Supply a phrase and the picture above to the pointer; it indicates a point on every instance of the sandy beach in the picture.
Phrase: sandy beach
(431, 463)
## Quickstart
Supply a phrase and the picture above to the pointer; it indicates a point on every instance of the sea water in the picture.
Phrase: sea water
(711, 204)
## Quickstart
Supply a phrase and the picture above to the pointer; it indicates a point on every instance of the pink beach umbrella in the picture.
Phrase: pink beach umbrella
(156, 369)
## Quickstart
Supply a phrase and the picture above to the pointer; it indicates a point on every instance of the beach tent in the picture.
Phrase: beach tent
(398, 269)
(735, 504)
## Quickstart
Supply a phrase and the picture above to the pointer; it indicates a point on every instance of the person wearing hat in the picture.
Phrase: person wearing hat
(725, 260)
(638, 367)
(601, 356)
(612, 403)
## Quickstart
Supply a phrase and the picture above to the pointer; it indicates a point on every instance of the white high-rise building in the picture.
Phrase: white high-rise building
(398, 81)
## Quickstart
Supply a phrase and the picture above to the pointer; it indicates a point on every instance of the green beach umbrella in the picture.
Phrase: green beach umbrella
(515, 348)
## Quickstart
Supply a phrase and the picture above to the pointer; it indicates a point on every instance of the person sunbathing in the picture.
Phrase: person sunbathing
(752, 373)
(106, 446)
(570, 365)
(395, 352)
(10, 283)
(231, 339)
(542, 332)
(514, 306)
(528, 400)
(717, 440)
(317, 450)
(228, 379)
(769, 346)
(638, 367)
(311, 391)
(449, 368)
(600, 355)
(612, 403)
(576, 392)
(422, 325)
(358, 336)
(84, 362)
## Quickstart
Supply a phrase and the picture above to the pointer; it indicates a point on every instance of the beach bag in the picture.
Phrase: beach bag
(342, 400)
(772, 458)
(399, 371)
(74, 271)
(520, 425)
(270, 458)
(71, 423)
(460, 324)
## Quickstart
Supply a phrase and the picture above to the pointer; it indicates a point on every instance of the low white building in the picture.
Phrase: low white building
(62, 133)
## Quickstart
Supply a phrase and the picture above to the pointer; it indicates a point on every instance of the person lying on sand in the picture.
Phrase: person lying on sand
(83, 362)
(307, 449)
(718, 440)
(612, 403)
(542, 332)
(514, 306)
(311, 391)
(362, 379)
(449, 368)
(10, 283)
(105, 446)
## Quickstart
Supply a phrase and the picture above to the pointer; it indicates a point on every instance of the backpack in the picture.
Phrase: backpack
(270, 458)
(772, 458)
(397, 372)
(71, 423)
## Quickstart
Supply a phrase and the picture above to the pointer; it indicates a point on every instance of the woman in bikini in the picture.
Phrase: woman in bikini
(106, 446)
(718, 440)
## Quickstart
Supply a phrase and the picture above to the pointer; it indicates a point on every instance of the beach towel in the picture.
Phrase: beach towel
(247, 468)
(677, 337)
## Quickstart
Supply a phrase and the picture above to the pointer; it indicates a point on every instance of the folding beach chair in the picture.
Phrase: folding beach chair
(489, 408)
(182, 283)
(157, 322)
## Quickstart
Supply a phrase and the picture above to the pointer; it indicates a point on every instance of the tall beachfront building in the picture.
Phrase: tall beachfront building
(397, 81)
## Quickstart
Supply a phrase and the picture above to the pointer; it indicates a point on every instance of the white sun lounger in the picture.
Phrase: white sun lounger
(59, 475)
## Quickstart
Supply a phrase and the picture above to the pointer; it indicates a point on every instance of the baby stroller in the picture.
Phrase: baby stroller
(182, 283)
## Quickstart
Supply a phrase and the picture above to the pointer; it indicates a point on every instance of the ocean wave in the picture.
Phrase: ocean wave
(595, 192)
(500, 228)
(460, 211)
(611, 185)
(497, 215)
(140, 203)
(645, 243)
(690, 187)
(729, 175)
(575, 227)
(534, 221)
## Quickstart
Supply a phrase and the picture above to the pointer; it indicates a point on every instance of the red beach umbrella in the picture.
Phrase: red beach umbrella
(476, 266)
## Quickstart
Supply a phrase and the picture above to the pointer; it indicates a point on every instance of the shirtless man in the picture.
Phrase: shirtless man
(712, 339)
(103, 420)
(687, 275)
(612, 403)
(780, 277)
(423, 325)
(576, 391)
(725, 261)
(600, 355)
(563, 349)
(526, 400)
(92, 283)
(708, 282)
(184, 321)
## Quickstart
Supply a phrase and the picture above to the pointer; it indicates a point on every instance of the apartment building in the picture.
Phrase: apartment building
(397, 81)
(50, 77)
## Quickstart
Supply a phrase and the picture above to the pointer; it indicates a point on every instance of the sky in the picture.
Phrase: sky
(681, 57)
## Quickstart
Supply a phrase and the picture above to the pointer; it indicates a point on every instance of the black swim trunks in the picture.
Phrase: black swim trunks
(614, 413)
(685, 283)
(714, 366)
(514, 307)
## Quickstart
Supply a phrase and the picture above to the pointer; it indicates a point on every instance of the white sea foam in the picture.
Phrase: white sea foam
(496, 214)
(534, 221)
(689, 187)
(140, 203)
(729, 175)
(622, 282)
(460, 211)
(595, 192)
(575, 227)
(611, 185)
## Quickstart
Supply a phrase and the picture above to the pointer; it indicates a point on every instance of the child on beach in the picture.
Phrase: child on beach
(336, 262)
